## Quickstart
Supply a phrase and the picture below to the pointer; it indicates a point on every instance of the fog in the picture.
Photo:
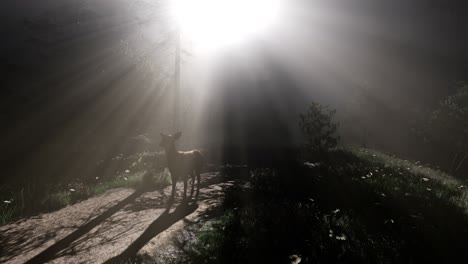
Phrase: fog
(81, 79)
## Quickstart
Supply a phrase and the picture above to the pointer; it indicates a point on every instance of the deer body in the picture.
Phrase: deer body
(181, 164)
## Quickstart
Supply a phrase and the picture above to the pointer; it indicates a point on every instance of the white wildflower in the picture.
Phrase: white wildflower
(342, 237)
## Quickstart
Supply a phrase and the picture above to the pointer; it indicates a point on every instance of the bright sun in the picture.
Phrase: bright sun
(214, 24)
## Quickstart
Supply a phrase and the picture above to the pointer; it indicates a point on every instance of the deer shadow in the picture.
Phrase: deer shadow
(54, 250)
(19, 242)
(163, 222)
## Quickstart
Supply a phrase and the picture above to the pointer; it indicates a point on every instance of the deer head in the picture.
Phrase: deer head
(168, 141)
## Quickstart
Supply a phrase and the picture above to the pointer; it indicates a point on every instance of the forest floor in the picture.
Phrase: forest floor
(346, 206)
(119, 224)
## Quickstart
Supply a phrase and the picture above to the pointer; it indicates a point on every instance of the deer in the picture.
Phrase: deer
(181, 164)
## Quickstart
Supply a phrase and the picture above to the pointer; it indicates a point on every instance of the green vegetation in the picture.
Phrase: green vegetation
(29, 200)
(140, 170)
(319, 128)
(212, 241)
(337, 205)
(354, 206)
(447, 128)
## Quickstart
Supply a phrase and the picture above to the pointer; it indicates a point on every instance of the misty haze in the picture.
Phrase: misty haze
(223, 131)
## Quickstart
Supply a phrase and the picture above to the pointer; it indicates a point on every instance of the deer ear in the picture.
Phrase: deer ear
(177, 135)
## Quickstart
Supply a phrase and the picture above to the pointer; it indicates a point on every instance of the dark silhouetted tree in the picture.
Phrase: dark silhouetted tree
(319, 128)
(448, 126)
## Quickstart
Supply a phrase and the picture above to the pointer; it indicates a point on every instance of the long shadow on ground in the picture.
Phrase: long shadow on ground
(20, 242)
(159, 225)
(53, 251)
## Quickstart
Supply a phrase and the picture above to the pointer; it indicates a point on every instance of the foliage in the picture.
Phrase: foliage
(319, 128)
(32, 200)
(357, 206)
(209, 246)
(448, 126)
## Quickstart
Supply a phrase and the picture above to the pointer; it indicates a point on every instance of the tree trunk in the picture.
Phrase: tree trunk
(175, 124)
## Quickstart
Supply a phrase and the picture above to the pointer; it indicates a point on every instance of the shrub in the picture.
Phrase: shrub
(319, 128)
(448, 127)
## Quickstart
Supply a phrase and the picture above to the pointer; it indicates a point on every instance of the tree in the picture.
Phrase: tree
(319, 128)
(448, 126)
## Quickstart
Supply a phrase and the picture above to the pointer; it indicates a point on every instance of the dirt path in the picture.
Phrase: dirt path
(107, 228)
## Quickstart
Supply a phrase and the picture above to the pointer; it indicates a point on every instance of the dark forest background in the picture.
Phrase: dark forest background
(81, 80)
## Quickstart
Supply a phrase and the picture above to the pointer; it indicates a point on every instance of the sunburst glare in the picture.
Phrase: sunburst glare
(214, 24)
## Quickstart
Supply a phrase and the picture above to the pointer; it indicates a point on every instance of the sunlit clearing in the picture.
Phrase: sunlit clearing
(214, 24)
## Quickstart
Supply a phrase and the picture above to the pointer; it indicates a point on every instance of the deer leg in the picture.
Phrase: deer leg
(185, 187)
(193, 183)
(198, 184)
(174, 182)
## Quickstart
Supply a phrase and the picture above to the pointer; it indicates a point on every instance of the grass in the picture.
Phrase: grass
(29, 200)
(10, 208)
(351, 206)
(209, 235)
